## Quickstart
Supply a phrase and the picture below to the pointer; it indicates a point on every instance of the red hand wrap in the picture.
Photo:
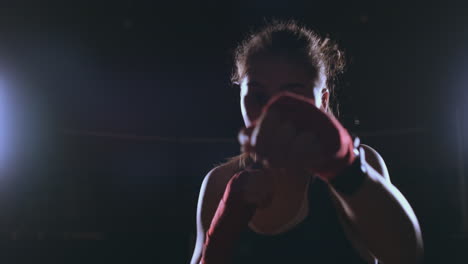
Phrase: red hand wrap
(231, 218)
(336, 144)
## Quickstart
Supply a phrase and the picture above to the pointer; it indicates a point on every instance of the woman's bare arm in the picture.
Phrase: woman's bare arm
(381, 216)
(211, 192)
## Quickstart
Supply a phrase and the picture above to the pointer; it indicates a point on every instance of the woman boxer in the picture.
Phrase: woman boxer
(303, 190)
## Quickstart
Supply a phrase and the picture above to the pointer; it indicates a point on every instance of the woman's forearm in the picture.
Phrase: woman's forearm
(384, 220)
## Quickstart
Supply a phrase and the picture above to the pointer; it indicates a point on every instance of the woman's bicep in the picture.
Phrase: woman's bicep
(211, 191)
(200, 235)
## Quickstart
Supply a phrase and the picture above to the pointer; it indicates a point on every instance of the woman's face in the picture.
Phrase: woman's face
(268, 76)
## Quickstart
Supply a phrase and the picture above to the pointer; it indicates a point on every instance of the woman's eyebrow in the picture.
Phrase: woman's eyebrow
(255, 83)
(292, 85)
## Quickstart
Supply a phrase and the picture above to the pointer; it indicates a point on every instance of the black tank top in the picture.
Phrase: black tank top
(319, 238)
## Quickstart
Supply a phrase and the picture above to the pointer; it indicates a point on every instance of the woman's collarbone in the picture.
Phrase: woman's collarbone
(280, 215)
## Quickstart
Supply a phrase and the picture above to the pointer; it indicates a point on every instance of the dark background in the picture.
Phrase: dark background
(118, 109)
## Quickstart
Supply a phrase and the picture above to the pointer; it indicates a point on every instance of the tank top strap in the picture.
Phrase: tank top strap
(318, 195)
(322, 212)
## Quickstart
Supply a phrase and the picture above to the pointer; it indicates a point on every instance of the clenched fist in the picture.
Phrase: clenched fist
(293, 133)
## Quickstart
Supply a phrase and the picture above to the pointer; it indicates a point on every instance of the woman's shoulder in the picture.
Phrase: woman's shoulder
(213, 186)
(222, 173)
(375, 160)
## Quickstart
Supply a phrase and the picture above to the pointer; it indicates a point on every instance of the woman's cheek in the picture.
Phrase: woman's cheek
(251, 111)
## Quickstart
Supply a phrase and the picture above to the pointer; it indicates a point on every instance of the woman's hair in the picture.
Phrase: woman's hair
(297, 43)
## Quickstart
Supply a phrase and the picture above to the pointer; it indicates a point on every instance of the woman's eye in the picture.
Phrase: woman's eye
(261, 98)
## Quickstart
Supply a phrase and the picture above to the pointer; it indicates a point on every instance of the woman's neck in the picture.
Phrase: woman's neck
(289, 180)
(284, 179)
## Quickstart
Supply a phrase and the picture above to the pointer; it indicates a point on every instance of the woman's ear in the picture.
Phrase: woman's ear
(325, 98)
